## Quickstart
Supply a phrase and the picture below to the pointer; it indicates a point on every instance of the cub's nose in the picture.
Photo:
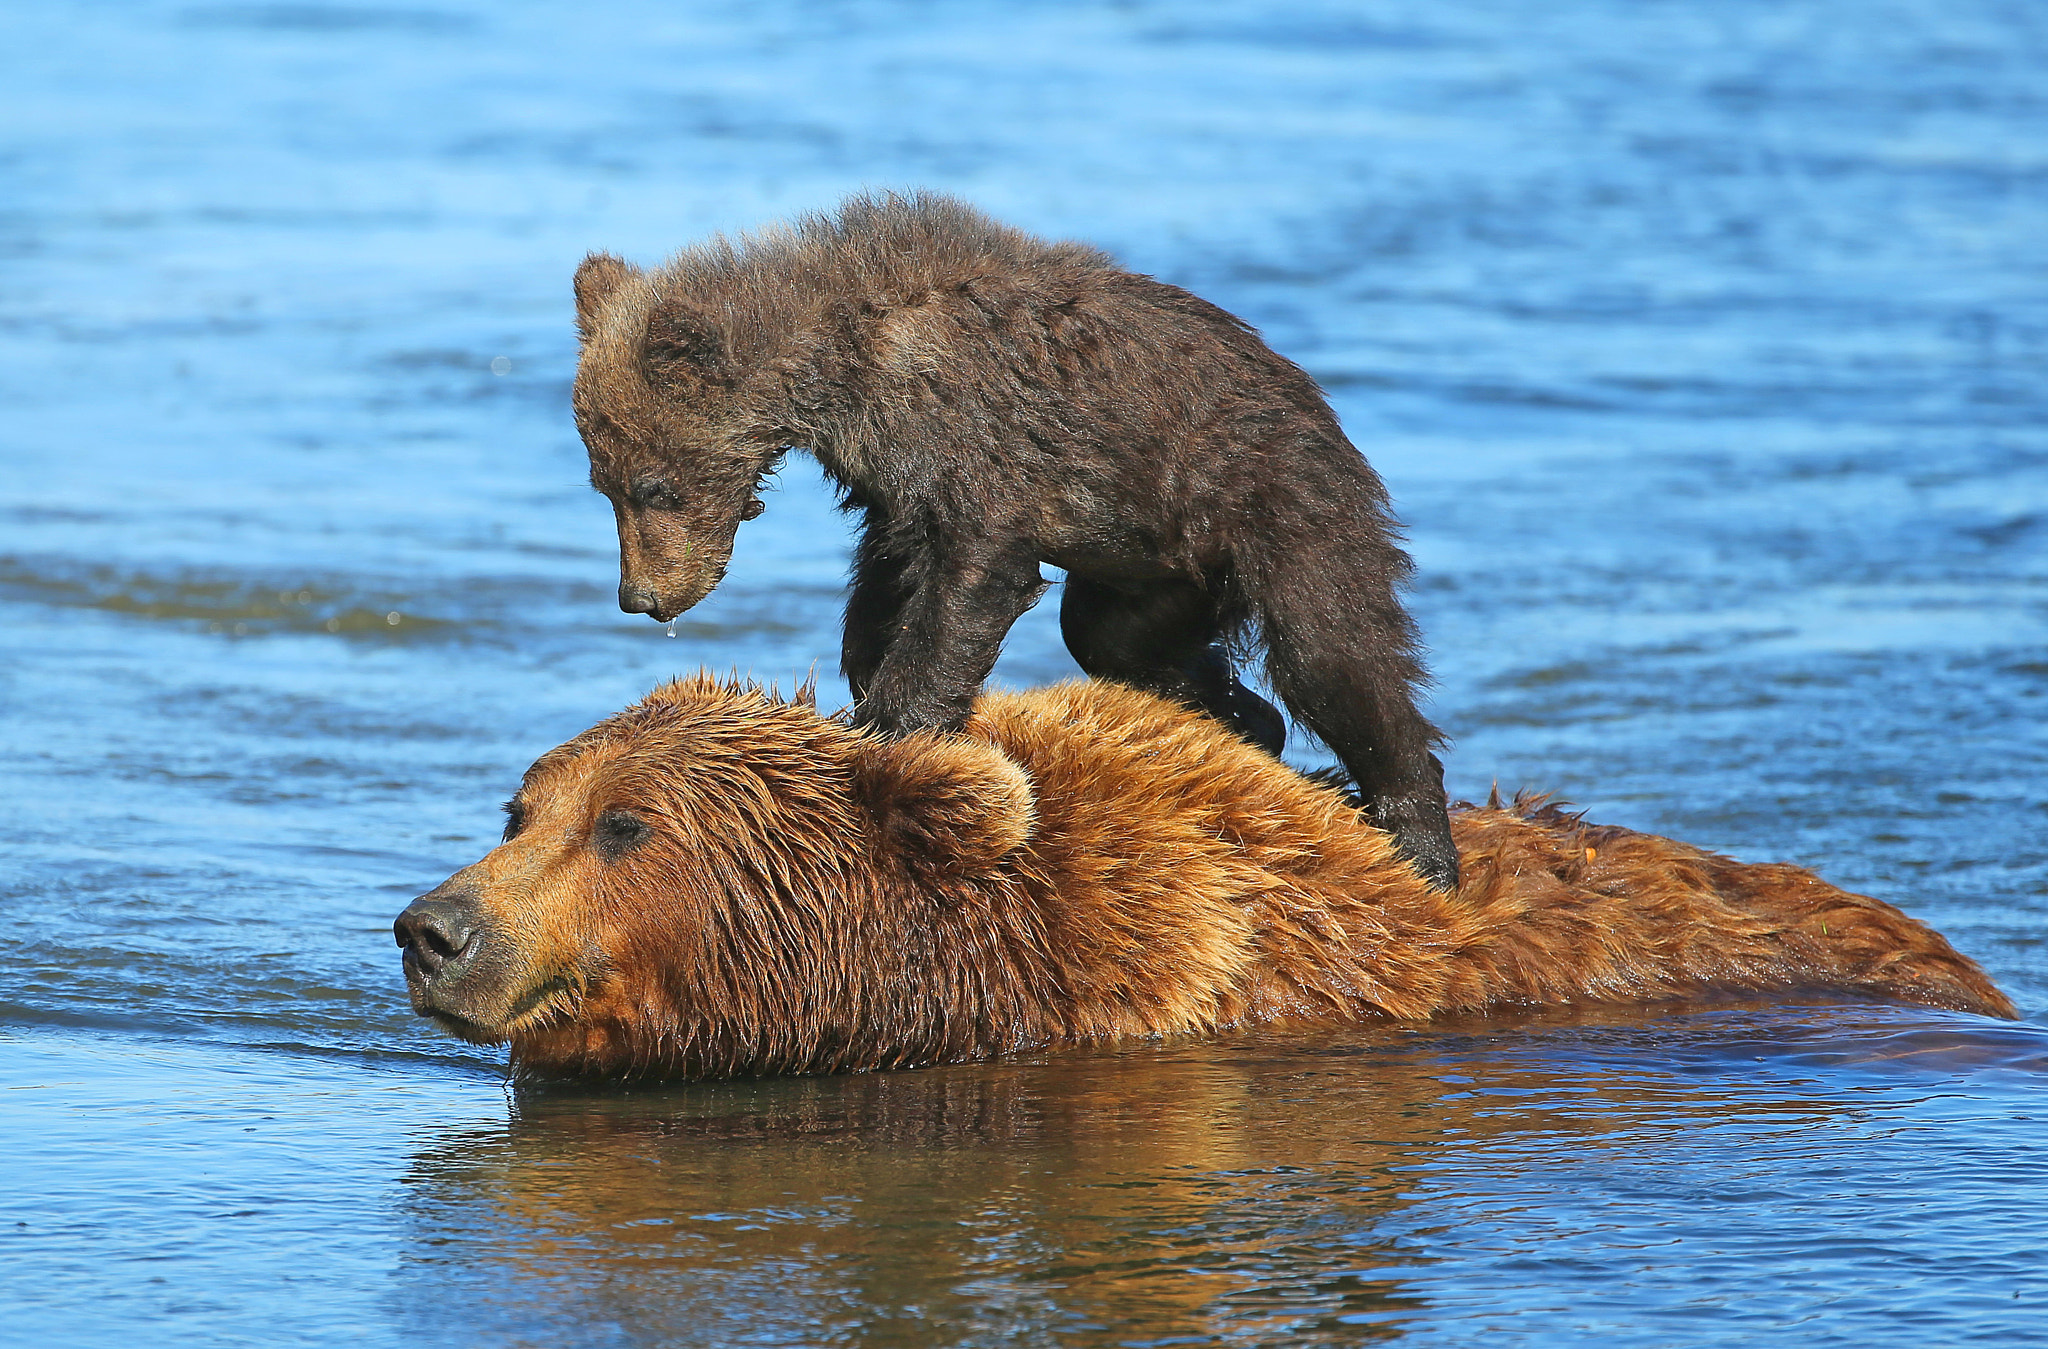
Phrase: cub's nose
(637, 599)
(436, 931)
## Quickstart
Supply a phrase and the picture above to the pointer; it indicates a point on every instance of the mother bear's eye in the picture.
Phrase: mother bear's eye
(617, 833)
(515, 819)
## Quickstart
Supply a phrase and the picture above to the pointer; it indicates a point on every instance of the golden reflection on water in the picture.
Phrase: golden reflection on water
(1222, 1193)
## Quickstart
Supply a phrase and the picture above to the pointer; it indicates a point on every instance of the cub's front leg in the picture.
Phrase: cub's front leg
(943, 637)
(873, 604)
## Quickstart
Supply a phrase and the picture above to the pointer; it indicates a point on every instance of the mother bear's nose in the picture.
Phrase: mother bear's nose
(436, 931)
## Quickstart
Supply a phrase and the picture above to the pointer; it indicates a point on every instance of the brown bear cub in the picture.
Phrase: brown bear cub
(990, 402)
(717, 882)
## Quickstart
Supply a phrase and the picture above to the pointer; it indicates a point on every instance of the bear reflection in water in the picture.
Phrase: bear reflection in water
(1264, 1186)
(718, 882)
(1247, 1189)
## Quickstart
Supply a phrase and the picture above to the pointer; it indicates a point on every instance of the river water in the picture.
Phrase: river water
(1704, 347)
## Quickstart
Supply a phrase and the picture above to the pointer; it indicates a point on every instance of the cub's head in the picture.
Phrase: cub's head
(712, 881)
(673, 444)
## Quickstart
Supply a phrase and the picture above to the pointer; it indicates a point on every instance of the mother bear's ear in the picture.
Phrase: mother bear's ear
(600, 275)
(945, 806)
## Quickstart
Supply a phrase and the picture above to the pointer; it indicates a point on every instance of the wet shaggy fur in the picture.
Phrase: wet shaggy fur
(990, 402)
(719, 882)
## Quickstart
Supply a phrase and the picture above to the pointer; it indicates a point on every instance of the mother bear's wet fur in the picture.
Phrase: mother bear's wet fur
(990, 402)
(718, 882)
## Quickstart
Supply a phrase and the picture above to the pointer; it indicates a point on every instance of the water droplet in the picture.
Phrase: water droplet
(334, 625)
(392, 618)
(501, 365)
(671, 627)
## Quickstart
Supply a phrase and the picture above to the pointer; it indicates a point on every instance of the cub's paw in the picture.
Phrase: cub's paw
(894, 723)
(1422, 838)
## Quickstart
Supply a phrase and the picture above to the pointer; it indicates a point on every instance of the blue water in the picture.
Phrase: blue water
(1704, 348)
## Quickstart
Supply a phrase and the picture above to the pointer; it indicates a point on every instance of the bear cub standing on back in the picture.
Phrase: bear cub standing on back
(991, 402)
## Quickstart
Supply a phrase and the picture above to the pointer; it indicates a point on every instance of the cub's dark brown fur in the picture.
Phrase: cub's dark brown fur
(991, 402)
(717, 882)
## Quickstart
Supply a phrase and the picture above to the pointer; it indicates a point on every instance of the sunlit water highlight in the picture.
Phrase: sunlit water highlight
(1705, 349)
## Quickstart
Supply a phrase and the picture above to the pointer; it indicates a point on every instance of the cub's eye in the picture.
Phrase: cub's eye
(515, 819)
(617, 833)
(655, 495)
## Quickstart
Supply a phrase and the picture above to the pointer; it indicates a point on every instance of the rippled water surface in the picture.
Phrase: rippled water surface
(1704, 347)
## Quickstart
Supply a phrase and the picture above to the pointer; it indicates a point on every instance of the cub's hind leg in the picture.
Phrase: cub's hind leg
(1165, 637)
(1342, 656)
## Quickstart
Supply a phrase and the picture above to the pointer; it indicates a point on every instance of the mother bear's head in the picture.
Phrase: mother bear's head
(717, 881)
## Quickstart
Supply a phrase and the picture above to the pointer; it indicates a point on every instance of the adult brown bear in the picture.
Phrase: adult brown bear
(718, 882)
(990, 402)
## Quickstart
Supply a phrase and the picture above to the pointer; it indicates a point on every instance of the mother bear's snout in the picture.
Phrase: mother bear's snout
(439, 933)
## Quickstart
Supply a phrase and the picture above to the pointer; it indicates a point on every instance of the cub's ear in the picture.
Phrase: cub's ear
(682, 346)
(599, 276)
(946, 807)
